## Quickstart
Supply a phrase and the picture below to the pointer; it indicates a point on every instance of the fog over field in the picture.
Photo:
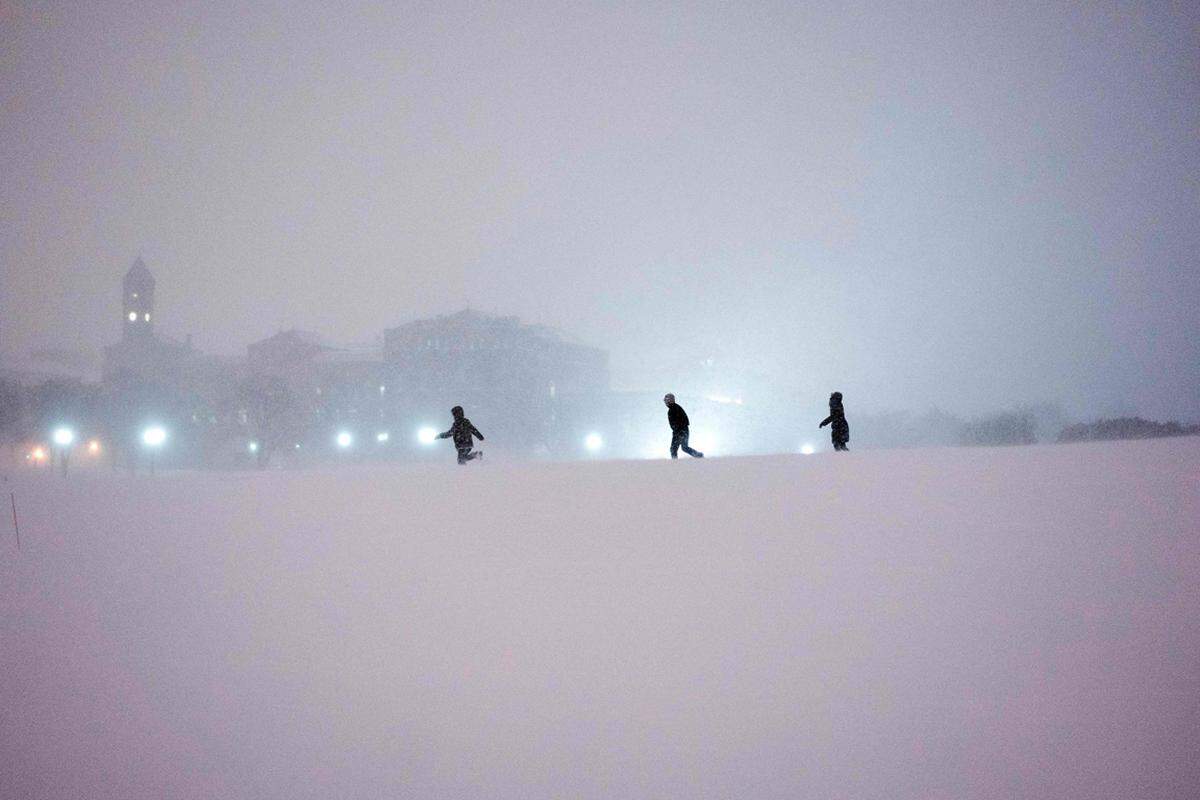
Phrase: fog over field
(971, 207)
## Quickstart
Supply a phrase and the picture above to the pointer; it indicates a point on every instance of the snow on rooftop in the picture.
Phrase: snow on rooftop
(961, 623)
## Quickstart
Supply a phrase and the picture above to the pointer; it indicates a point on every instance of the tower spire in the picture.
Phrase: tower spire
(137, 306)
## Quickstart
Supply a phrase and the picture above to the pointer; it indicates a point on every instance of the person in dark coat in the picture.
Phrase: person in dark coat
(840, 430)
(678, 420)
(462, 432)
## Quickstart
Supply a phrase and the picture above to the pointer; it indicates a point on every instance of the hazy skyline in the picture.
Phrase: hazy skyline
(966, 206)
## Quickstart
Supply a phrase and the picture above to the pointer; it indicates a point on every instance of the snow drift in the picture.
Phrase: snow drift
(967, 623)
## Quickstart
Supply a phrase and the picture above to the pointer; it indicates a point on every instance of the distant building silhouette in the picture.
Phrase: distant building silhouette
(140, 354)
(525, 383)
(333, 385)
(472, 353)
(290, 355)
(531, 386)
(526, 380)
(150, 378)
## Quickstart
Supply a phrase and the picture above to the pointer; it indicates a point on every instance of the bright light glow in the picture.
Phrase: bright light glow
(659, 449)
(94, 446)
(382, 436)
(702, 440)
(38, 454)
(154, 436)
(344, 439)
(133, 316)
(807, 449)
(593, 442)
(146, 317)
(252, 447)
(427, 435)
(63, 437)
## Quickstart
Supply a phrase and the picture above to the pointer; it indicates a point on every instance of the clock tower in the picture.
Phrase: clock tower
(137, 302)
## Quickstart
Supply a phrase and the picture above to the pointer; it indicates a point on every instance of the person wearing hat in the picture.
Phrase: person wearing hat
(678, 420)
(462, 432)
(839, 428)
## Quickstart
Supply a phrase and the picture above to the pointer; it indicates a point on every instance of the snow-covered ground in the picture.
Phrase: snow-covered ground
(959, 623)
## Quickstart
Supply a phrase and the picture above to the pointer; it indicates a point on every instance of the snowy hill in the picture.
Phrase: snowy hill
(965, 623)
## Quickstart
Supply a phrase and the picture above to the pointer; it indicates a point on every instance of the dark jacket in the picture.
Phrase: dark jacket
(461, 432)
(677, 417)
(840, 430)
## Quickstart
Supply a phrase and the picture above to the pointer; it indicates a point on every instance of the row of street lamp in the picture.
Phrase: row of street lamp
(64, 439)
(155, 436)
(593, 442)
(345, 439)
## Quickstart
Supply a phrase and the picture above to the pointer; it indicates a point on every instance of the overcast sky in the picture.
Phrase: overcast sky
(958, 204)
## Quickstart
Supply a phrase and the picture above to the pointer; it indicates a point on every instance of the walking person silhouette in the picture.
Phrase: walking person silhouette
(840, 429)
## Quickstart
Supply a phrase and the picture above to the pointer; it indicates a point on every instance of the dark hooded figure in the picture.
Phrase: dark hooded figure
(462, 432)
(678, 420)
(840, 430)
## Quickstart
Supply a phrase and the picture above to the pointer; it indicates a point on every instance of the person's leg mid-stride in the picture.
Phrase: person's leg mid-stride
(679, 441)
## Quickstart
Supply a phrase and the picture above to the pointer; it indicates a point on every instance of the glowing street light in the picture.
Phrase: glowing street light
(807, 449)
(703, 440)
(593, 442)
(344, 439)
(382, 436)
(93, 447)
(252, 447)
(655, 449)
(63, 437)
(427, 435)
(154, 436)
(38, 454)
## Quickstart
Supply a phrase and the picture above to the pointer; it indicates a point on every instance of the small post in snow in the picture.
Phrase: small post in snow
(12, 498)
